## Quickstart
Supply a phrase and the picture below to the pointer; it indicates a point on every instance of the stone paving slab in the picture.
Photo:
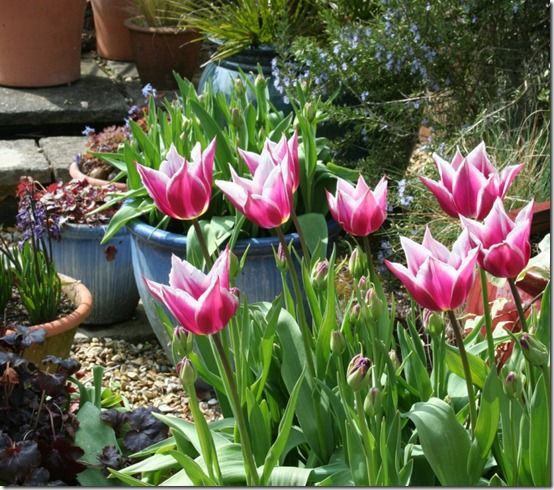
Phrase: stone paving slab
(137, 329)
(60, 152)
(22, 157)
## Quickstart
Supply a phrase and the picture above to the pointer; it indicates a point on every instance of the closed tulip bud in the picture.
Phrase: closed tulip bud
(533, 350)
(338, 344)
(355, 314)
(373, 402)
(310, 111)
(374, 304)
(235, 117)
(357, 264)
(357, 374)
(260, 82)
(319, 274)
(281, 259)
(362, 283)
(394, 359)
(239, 87)
(433, 322)
(513, 385)
(186, 372)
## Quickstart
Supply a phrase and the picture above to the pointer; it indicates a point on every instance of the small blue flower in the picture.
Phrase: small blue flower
(363, 96)
(149, 91)
(427, 7)
(344, 67)
(88, 131)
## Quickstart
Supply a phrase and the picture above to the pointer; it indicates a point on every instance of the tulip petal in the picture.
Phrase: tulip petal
(156, 185)
(464, 279)
(443, 196)
(415, 253)
(479, 159)
(437, 279)
(437, 249)
(380, 194)
(221, 269)
(252, 159)
(155, 289)
(185, 276)
(468, 180)
(264, 212)
(419, 294)
(235, 193)
(182, 306)
(486, 197)
(187, 196)
(172, 163)
(502, 260)
(446, 171)
(507, 176)
(216, 307)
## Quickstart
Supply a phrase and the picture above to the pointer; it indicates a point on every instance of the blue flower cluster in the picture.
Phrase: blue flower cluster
(404, 199)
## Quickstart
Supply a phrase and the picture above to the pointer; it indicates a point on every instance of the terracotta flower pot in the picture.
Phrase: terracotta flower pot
(40, 42)
(75, 173)
(60, 332)
(113, 40)
(159, 51)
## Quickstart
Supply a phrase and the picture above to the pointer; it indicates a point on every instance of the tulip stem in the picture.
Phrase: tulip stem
(519, 305)
(305, 250)
(488, 319)
(306, 334)
(250, 464)
(467, 371)
(366, 439)
(202, 242)
(372, 272)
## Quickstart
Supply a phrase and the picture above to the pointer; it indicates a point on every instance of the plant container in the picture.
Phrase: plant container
(60, 332)
(40, 42)
(158, 51)
(75, 173)
(113, 40)
(106, 270)
(151, 251)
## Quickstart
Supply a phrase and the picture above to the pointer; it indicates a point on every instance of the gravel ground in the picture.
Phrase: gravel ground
(141, 373)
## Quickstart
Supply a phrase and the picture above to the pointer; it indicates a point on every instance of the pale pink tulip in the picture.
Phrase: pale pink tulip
(202, 303)
(284, 153)
(438, 279)
(180, 189)
(504, 247)
(359, 210)
(265, 199)
(470, 185)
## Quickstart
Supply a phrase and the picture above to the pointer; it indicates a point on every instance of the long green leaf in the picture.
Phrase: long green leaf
(539, 440)
(476, 366)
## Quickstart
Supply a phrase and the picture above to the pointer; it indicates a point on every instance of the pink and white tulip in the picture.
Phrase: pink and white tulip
(202, 303)
(359, 210)
(265, 199)
(504, 247)
(470, 185)
(284, 153)
(180, 189)
(438, 279)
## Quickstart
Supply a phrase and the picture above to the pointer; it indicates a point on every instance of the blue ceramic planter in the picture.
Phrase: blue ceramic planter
(106, 270)
(151, 251)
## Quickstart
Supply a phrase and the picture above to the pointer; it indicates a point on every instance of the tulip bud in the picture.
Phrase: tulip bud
(281, 259)
(338, 344)
(357, 374)
(533, 350)
(203, 97)
(373, 401)
(355, 314)
(374, 303)
(310, 111)
(235, 117)
(362, 283)
(357, 264)
(513, 385)
(239, 87)
(319, 274)
(433, 322)
(185, 371)
(394, 359)
(260, 82)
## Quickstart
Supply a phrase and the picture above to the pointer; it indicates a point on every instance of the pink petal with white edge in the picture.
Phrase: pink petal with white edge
(216, 307)
(235, 193)
(437, 279)
(182, 306)
(172, 163)
(155, 289)
(518, 239)
(479, 159)
(361, 188)
(156, 185)
(252, 159)
(525, 215)
(446, 171)
(415, 253)
(501, 260)
(464, 279)
(345, 187)
(486, 197)
(419, 294)
(507, 176)
(437, 249)
(442, 194)
(264, 212)
(185, 276)
(220, 269)
(468, 181)
(196, 152)
(497, 224)
(380, 194)
(208, 158)
(187, 195)
(460, 248)
(476, 230)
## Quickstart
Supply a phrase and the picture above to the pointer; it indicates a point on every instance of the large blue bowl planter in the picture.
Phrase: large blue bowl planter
(151, 251)
(106, 270)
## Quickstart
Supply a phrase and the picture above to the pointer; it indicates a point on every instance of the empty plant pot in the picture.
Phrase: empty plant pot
(113, 40)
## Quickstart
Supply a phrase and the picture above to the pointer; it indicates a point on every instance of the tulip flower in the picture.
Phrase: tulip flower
(284, 153)
(202, 303)
(470, 185)
(504, 248)
(180, 189)
(359, 210)
(265, 199)
(437, 278)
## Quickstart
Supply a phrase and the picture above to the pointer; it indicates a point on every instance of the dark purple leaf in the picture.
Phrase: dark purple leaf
(17, 460)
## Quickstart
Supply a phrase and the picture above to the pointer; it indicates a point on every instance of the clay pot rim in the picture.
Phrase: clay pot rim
(130, 24)
(81, 297)
(75, 172)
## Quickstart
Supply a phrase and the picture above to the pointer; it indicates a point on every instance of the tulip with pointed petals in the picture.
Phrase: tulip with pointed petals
(470, 185)
(437, 278)
(504, 247)
(359, 210)
(180, 189)
(265, 199)
(202, 303)
(284, 153)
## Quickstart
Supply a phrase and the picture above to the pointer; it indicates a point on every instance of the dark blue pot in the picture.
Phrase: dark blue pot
(222, 74)
(151, 251)
(106, 270)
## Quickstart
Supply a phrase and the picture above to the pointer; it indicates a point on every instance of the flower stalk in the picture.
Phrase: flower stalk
(488, 319)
